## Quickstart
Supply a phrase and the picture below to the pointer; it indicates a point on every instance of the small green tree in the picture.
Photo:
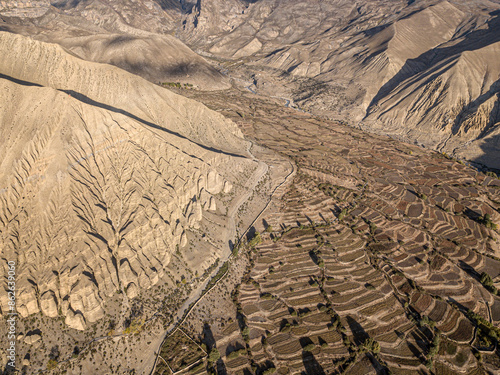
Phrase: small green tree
(486, 279)
(342, 214)
(214, 356)
(309, 347)
(256, 240)
(372, 345)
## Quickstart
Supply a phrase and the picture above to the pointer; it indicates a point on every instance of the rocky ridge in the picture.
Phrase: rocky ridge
(98, 188)
(24, 8)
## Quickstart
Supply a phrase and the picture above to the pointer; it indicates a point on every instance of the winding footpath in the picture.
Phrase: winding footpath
(198, 296)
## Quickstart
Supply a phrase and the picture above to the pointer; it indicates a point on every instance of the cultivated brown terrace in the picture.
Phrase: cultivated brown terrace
(373, 239)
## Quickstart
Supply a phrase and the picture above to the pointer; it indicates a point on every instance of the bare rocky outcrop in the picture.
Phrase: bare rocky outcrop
(102, 173)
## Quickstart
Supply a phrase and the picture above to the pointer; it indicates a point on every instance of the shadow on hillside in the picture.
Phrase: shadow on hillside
(5, 28)
(85, 99)
(265, 366)
(251, 233)
(153, 72)
(311, 365)
(177, 5)
(89, 101)
(19, 81)
(208, 337)
(473, 215)
(360, 335)
(491, 149)
(463, 309)
(469, 270)
(233, 348)
(438, 60)
(422, 342)
(65, 4)
(209, 340)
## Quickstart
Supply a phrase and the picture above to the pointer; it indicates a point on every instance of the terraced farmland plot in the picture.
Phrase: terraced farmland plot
(374, 256)
(180, 352)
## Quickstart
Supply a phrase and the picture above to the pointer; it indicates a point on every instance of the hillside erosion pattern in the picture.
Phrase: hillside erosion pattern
(93, 200)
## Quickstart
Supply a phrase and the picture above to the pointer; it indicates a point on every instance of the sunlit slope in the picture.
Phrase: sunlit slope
(101, 175)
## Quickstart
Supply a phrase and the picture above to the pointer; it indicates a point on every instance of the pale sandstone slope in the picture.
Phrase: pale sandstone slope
(49, 65)
(448, 97)
(133, 35)
(157, 58)
(98, 188)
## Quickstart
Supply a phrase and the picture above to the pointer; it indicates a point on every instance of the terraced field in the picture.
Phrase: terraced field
(372, 261)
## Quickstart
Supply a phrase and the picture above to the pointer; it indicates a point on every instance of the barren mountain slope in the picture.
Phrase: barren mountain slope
(102, 176)
(134, 36)
(418, 70)
(424, 71)
(157, 58)
(26, 8)
(448, 97)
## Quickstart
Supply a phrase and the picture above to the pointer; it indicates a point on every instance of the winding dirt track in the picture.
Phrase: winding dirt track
(186, 309)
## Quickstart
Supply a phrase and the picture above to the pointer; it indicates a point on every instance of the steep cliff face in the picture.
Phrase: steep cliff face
(101, 176)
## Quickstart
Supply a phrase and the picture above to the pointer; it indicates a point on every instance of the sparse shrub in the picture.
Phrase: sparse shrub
(236, 354)
(342, 214)
(434, 346)
(486, 221)
(369, 286)
(214, 356)
(266, 296)
(271, 370)
(256, 240)
(286, 328)
(487, 281)
(245, 332)
(372, 345)
(309, 347)
(51, 364)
